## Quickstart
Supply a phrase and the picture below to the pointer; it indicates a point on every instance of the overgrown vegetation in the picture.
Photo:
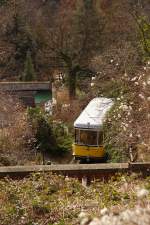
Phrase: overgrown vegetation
(29, 73)
(50, 199)
(144, 29)
(51, 137)
(3, 2)
(107, 39)
(24, 133)
(16, 138)
(126, 128)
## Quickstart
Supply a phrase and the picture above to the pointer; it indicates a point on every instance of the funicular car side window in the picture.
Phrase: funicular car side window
(100, 138)
(77, 135)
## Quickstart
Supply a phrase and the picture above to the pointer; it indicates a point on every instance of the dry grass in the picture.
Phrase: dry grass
(15, 132)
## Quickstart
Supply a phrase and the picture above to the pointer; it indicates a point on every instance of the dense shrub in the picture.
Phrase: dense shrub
(51, 136)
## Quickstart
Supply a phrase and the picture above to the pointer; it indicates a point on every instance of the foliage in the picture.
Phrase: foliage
(126, 128)
(73, 36)
(86, 29)
(50, 199)
(29, 73)
(112, 89)
(116, 152)
(63, 139)
(22, 37)
(77, 41)
(51, 137)
(3, 2)
(144, 28)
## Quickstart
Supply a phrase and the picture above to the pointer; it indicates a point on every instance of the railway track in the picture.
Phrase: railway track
(79, 171)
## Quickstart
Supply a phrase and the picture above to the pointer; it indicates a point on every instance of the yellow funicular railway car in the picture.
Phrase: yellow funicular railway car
(88, 144)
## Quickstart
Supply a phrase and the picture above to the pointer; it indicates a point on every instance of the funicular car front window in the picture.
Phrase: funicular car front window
(88, 137)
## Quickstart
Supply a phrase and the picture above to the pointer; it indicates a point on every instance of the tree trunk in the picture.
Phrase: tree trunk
(72, 84)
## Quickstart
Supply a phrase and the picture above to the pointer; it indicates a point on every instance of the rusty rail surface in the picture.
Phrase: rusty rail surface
(77, 170)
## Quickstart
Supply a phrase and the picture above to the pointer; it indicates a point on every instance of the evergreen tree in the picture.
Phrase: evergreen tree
(29, 73)
(23, 38)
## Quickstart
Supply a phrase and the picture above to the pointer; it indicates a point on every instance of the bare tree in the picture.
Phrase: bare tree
(74, 38)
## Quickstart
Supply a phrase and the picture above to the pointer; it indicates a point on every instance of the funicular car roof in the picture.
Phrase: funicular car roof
(92, 117)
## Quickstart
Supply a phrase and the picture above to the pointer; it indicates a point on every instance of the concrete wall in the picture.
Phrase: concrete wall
(24, 86)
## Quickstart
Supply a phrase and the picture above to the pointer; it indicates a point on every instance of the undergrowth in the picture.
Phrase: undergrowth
(51, 136)
(50, 199)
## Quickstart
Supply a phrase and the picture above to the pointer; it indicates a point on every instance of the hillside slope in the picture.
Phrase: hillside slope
(110, 39)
